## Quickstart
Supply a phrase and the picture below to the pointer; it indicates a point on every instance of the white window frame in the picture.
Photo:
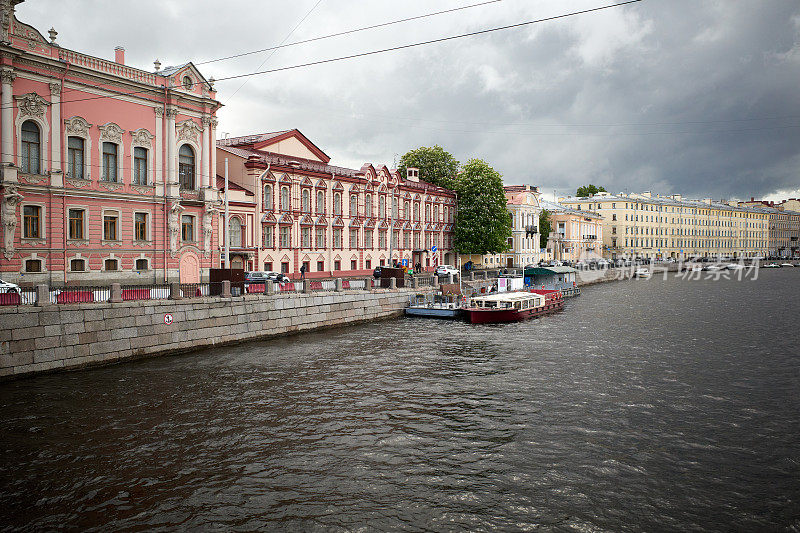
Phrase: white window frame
(103, 226)
(85, 209)
(44, 142)
(42, 221)
(149, 225)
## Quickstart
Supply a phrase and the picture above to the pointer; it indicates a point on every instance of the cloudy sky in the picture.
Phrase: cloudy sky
(698, 97)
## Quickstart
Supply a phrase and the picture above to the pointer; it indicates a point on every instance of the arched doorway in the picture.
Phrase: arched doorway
(189, 268)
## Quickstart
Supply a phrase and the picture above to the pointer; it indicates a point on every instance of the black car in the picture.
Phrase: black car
(377, 272)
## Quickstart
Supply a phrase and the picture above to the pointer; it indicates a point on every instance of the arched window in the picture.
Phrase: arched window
(395, 214)
(427, 212)
(353, 205)
(382, 206)
(368, 205)
(306, 201)
(267, 196)
(109, 162)
(436, 213)
(285, 198)
(337, 204)
(235, 226)
(186, 167)
(320, 202)
(416, 211)
(406, 210)
(31, 147)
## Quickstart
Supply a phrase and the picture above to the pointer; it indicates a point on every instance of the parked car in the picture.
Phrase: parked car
(267, 275)
(278, 277)
(7, 286)
(444, 270)
(377, 272)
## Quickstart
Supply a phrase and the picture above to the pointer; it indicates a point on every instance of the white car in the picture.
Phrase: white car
(444, 270)
(6, 286)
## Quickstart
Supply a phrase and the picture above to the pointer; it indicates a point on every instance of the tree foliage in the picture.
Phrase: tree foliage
(435, 165)
(483, 224)
(588, 190)
(545, 227)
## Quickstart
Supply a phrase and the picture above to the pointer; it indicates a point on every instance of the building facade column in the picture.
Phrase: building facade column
(213, 135)
(56, 168)
(205, 156)
(7, 76)
(159, 162)
(171, 179)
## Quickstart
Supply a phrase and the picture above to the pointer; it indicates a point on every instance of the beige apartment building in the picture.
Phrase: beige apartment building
(575, 235)
(652, 226)
(784, 226)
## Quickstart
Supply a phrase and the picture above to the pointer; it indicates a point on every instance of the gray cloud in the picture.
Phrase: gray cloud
(693, 97)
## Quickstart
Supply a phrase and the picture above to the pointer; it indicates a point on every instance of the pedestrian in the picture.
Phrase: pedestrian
(303, 271)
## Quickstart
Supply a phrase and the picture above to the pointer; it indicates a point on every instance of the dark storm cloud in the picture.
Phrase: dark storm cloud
(681, 96)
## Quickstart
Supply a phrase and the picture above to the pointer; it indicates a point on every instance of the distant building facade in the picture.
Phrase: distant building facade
(289, 207)
(523, 204)
(105, 167)
(651, 226)
(784, 226)
(574, 234)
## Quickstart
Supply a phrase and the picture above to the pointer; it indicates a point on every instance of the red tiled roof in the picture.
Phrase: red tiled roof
(250, 139)
(233, 186)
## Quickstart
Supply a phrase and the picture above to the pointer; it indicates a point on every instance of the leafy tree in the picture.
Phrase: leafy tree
(588, 190)
(545, 227)
(435, 165)
(483, 224)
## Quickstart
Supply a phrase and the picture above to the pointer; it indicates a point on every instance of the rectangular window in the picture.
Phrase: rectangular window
(284, 268)
(284, 235)
(32, 221)
(140, 166)
(320, 237)
(77, 265)
(109, 162)
(141, 264)
(353, 264)
(368, 238)
(320, 266)
(337, 238)
(33, 265)
(111, 264)
(187, 228)
(306, 232)
(337, 265)
(140, 226)
(268, 237)
(368, 264)
(110, 227)
(382, 239)
(75, 157)
(76, 223)
(353, 238)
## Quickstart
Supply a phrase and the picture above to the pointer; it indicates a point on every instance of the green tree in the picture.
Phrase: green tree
(435, 165)
(588, 190)
(545, 227)
(483, 224)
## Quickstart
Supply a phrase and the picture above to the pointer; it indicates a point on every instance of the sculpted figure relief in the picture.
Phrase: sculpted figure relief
(174, 225)
(11, 199)
(208, 227)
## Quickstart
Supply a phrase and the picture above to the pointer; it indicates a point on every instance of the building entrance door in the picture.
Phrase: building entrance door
(510, 262)
(189, 268)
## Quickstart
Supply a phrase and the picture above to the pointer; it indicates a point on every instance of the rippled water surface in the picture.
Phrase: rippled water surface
(646, 405)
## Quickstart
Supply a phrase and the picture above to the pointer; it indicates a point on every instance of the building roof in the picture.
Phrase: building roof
(233, 186)
(675, 200)
(559, 208)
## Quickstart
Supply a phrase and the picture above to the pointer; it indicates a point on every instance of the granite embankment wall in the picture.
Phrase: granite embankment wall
(58, 337)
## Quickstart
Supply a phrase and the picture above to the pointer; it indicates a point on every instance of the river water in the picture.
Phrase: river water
(646, 405)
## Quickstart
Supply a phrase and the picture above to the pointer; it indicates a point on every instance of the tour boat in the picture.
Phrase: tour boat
(734, 266)
(642, 273)
(434, 306)
(513, 306)
(787, 265)
(772, 265)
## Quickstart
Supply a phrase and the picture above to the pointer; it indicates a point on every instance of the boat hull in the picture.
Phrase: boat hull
(432, 312)
(497, 316)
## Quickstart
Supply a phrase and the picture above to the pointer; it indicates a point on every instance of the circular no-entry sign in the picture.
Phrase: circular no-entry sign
(168, 319)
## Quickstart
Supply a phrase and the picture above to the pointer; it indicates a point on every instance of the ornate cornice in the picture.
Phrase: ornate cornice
(188, 130)
(142, 137)
(111, 132)
(31, 105)
(77, 126)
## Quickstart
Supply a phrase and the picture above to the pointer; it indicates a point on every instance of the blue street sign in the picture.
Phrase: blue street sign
(433, 248)
(405, 262)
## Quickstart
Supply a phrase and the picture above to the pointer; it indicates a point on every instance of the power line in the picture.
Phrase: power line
(276, 48)
(347, 32)
(374, 52)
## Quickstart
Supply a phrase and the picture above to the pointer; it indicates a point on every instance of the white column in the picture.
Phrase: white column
(55, 126)
(159, 126)
(213, 171)
(204, 157)
(7, 121)
(171, 177)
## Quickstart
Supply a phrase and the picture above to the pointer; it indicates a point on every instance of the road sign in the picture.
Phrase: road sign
(433, 248)
(405, 262)
(168, 319)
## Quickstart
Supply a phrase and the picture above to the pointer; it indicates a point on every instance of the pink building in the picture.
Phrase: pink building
(289, 207)
(105, 167)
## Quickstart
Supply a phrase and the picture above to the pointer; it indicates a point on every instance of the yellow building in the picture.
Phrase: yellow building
(652, 226)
